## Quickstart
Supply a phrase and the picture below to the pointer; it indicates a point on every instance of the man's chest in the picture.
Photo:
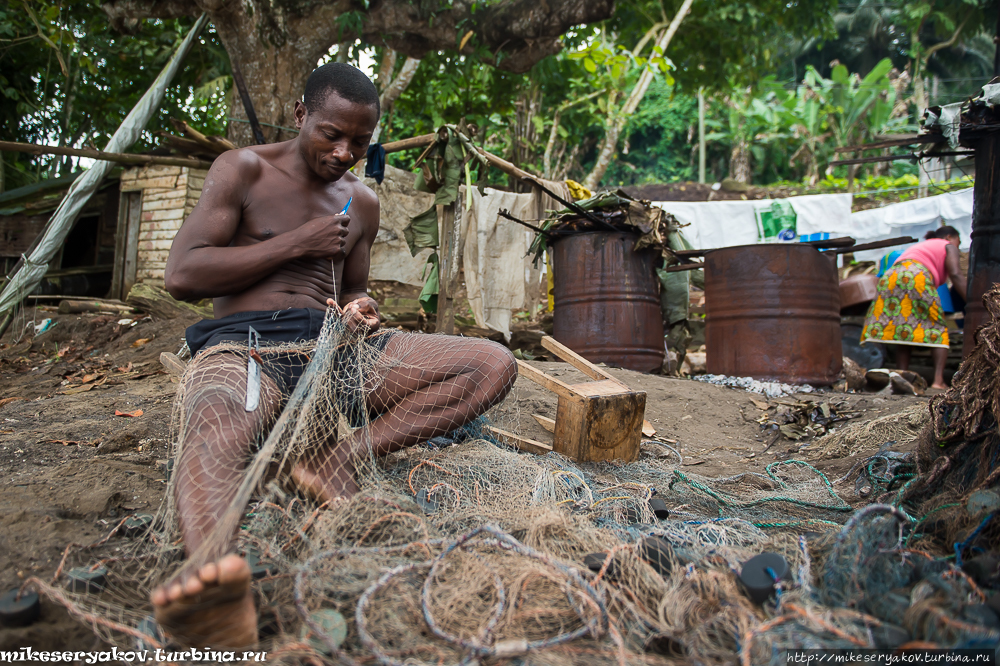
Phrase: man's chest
(272, 211)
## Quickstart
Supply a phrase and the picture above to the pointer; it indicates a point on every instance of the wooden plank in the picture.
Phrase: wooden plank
(647, 429)
(545, 422)
(131, 243)
(604, 387)
(447, 259)
(523, 443)
(601, 427)
(551, 383)
(574, 359)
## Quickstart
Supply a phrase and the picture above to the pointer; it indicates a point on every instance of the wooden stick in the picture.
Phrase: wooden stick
(121, 158)
(545, 422)
(843, 241)
(908, 141)
(574, 359)
(523, 443)
(684, 267)
(213, 143)
(421, 141)
(875, 245)
(542, 379)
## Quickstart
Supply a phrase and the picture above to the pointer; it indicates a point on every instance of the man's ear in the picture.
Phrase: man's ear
(299, 113)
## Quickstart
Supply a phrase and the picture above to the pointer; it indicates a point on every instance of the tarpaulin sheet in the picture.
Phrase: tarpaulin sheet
(726, 223)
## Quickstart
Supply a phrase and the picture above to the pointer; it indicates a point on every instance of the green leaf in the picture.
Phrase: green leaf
(589, 65)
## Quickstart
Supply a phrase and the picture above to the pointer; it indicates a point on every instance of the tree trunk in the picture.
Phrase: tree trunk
(739, 161)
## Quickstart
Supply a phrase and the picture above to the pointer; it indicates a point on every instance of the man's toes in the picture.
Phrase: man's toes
(233, 569)
(193, 586)
(209, 574)
(175, 591)
(159, 597)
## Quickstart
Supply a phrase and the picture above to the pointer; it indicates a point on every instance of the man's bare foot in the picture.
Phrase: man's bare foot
(942, 387)
(213, 608)
(324, 483)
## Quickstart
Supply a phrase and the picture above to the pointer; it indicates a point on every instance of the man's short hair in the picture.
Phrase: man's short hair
(346, 80)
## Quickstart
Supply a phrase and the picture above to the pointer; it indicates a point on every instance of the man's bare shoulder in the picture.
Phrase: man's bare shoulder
(364, 197)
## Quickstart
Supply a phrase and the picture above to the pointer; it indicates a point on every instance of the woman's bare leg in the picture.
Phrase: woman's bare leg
(940, 356)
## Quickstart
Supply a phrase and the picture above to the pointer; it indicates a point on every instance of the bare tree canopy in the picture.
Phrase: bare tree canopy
(277, 45)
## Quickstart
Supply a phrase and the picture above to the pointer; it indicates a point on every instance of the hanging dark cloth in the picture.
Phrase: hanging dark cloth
(375, 164)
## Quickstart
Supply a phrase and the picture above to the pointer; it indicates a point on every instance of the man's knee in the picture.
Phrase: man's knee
(499, 368)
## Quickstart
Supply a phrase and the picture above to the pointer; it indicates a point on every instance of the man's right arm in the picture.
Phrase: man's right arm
(202, 264)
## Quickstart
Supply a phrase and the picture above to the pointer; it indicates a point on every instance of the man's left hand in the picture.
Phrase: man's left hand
(360, 313)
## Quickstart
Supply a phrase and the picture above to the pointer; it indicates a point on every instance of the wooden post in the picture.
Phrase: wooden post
(984, 255)
(450, 264)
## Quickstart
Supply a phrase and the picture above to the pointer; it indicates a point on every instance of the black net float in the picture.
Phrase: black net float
(151, 633)
(658, 552)
(332, 625)
(423, 500)
(595, 561)
(659, 508)
(889, 636)
(759, 574)
(82, 580)
(19, 611)
(137, 525)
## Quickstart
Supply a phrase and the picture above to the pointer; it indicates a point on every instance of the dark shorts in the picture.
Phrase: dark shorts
(286, 366)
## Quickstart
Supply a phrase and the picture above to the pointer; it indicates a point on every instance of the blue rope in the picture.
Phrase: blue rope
(959, 547)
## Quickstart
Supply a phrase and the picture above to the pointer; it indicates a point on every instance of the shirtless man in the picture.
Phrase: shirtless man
(267, 241)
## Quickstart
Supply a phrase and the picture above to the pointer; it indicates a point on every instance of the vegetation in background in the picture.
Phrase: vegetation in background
(785, 85)
(68, 79)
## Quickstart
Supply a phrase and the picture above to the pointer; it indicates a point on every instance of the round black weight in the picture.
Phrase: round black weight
(757, 577)
(84, 580)
(659, 508)
(15, 612)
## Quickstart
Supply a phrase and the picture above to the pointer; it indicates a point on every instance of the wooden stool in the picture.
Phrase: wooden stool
(596, 420)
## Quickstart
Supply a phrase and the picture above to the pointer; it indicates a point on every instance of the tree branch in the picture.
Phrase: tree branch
(943, 45)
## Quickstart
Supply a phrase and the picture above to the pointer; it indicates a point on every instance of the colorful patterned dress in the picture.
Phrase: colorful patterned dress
(907, 309)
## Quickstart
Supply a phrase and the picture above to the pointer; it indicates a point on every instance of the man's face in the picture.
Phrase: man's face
(334, 136)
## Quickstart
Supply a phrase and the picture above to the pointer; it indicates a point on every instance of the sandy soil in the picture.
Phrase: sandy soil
(70, 468)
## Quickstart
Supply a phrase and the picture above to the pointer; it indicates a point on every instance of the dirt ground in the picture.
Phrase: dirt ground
(71, 468)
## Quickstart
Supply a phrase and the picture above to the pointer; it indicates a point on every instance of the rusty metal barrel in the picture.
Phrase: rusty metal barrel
(773, 313)
(607, 304)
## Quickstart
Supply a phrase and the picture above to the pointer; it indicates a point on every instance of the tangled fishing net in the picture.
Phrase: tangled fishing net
(459, 550)
(853, 439)
(960, 449)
